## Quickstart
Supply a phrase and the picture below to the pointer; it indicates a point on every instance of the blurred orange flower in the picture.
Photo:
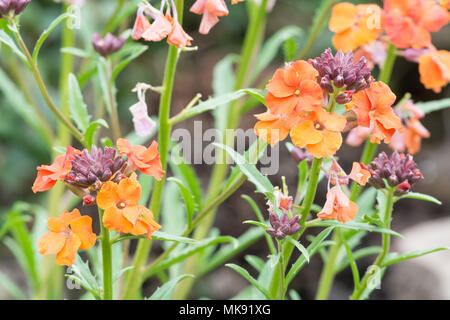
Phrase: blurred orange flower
(67, 234)
(122, 211)
(144, 159)
(373, 109)
(48, 175)
(320, 133)
(434, 69)
(359, 173)
(159, 29)
(211, 10)
(338, 206)
(409, 22)
(355, 25)
(178, 37)
(294, 88)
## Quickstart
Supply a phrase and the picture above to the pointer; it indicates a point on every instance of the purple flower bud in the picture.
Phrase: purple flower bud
(300, 154)
(15, 7)
(282, 227)
(343, 98)
(108, 45)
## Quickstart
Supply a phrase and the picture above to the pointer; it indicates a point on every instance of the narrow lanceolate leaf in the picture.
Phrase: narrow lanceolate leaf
(256, 223)
(47, 32)
(412, 255)
(134, 52)
(420, 196)
(159, 235)
(188, 198)
(6, 39)
(92, 129)
(213, 103)
(432, 106)
(78, 109)
(356, 226)
(261, 182)
(300, 247)
(250, 279)
(166, 290)
(312, 249)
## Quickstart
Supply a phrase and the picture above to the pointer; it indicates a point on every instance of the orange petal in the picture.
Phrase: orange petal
(330, 143)
(299, 71)
(305, 134)
(108, 195)
(359, 174)
(63, 221)
(271, 131)
(348, 213)
(278, 87)
(343, 16)
(82, 227)
(114, 220)
(66, 256)
(51, 243)
(310, 97)
(129, 191)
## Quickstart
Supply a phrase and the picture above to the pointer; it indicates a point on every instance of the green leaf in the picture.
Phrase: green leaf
(46, 33)
(420, 196)
(290, 48)
(358, 254)
(82, 274)
(78, 109)
(256, 223)
(312, 249)
(134, 52)
(299, 246)
(6, 39)
(250, 279)
(158, 235)
(261, 182)
(266, 275)
(166, 290)
(256, 262)
(432, 106)
(356, 226)
(76, 52)
(213, 103)
(92, 129)
(187, 197)
(412, 255)
(272, 45)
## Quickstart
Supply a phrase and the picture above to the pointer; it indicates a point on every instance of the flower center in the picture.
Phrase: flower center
(121, 205)
(297, 92)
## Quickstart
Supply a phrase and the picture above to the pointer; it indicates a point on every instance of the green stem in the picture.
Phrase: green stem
(252, 44)
(351, 260)
(370, 149)
(277, 285)
(386, 239)
(107, 260)
(43, 89)
(112, 99)
(316, 29)
(136, 276)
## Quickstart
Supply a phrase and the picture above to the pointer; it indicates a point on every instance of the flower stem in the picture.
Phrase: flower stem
(112, 99)
(136, 276)
(370, 149)
(386, 239)
(107, 260)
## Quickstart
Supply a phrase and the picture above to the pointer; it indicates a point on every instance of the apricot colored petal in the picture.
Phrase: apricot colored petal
(399, 29)
(271, 131)
(348, 213)
(434, 17)
(333, 121)
(305, 134)
(389, 120)
(357, 136)
(380, 96)
(330, 143)
(266, 116)
(124, 146)
(51, 243)
(208, 22)
(299, 71)
(58, 224)
(359, 174)
(398, 142)
(43, 182)
(198, 7)
(278, 87)
(159, 29)
(379, 133)
(178, 37)
(141, 24)
(108, 195)
(421, 37)
(66, 256)
(281, 106)
(343, 16)
(131, 213)
(82, 227)
(129, 191)
(310, 96)
(114, 220)
(217, 7)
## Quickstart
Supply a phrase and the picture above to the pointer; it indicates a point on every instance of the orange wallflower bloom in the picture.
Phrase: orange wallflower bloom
(320, 133)
(434, 69)
(373, 110)
(144, 159)
(178, 37)
(67, 234)
(359, 173)
(355, 25)
(294, 88)
(48, 175)
(211, 10)
(410, 138)
(122, 211)
(274, 128)
(409, 22)
(159, 29)
(338, 206)
(141, 24)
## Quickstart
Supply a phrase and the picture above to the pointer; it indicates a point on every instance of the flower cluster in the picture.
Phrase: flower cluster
(282, 226)
(407, 24)
(107, 45)
(398, 170)
(105, 177)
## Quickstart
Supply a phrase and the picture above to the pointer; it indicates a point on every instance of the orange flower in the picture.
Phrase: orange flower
(409, 22)
(294, 88)
(211, 10)
(355, 25)
(410, 138)
(373, 110)
(357, 135)
(359, 173)
(67, 234)
(320, 133)
(236, 1)
(434, 69)
(141, 24)
(338, 206)
(274, 128)
(48, 175)
(178, 37)
(139, 157)
(159, 29)
(122, 212)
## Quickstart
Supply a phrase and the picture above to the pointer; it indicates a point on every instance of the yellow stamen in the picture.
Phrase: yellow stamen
(297, 92)
(121, 205)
